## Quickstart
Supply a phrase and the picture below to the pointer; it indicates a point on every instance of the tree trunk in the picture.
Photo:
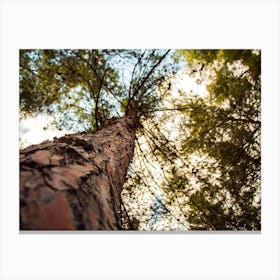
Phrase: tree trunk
(75, 182)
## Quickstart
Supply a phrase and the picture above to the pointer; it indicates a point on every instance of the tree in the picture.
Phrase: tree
(222, 144)
(75, 182)
(145, 155)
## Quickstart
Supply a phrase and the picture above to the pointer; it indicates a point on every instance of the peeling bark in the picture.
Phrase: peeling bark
(75, 182)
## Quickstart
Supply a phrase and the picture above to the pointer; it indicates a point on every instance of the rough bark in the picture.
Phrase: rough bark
(75, 182)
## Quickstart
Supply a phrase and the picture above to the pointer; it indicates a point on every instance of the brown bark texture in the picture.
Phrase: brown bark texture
(75, 182)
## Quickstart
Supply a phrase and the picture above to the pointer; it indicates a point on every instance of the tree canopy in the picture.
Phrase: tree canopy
(226, 127)
(197, 158)
(87, 87)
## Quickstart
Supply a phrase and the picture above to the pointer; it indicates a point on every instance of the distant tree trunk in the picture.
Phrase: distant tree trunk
(75, 182)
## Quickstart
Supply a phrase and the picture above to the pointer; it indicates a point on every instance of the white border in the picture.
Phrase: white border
(154, 24)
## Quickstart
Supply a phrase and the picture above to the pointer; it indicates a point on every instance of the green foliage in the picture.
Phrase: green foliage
(83, 88)
(225, 127)
(124, 104)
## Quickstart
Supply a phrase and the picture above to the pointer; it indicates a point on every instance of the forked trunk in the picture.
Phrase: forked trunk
(75, 182)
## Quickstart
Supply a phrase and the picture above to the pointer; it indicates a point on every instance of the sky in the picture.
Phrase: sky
(31, 130)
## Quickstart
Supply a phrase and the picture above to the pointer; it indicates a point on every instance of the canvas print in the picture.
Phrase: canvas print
(140, 140)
